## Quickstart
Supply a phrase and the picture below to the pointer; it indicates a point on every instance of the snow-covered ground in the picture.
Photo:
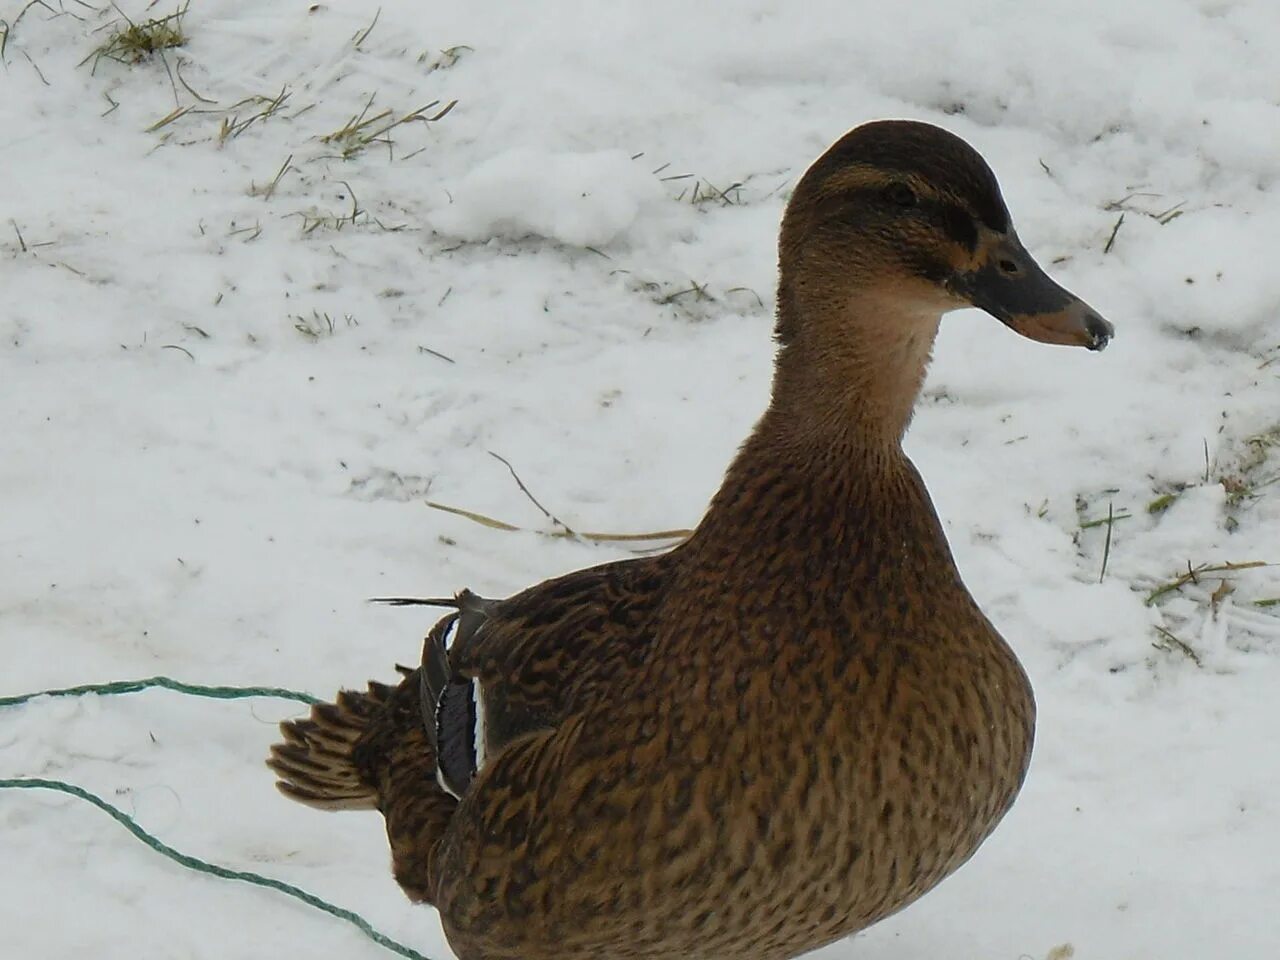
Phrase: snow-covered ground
(228, 392)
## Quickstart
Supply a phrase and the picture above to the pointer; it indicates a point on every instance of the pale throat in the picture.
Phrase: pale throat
(856, 366)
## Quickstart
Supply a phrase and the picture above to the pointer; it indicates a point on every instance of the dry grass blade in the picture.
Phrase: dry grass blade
(168, 119)
(7, 28)
(1168, 216)
(758, 299)
(1106, 521)
(275, 181)
(596, 537)
(363, 35)
(177, 69)
(1106, 548)
(436, 353)
(447, 58)
(1172, 642)
(355, 202)
(528, 493)
(36, 67)
(1111, 240)
(699, 291)
(1193, 576)
(479, 518)
(678, 533)
(419, 115)
(1224, 589)
(246, 234)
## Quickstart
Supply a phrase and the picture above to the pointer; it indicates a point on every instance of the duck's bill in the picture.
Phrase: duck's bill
(1012, 288)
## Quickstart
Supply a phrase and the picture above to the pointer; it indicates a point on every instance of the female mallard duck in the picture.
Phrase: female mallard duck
(788, 727)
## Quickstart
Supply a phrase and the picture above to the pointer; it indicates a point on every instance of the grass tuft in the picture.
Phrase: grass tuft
(319, 325)
(358, 217)
(363, 129)
(1248, 480)
(135, 42)
(264, 109)
(267, 191)
(1163, 217)
(704, 192)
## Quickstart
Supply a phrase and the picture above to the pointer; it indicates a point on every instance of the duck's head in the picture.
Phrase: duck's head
(900, 219)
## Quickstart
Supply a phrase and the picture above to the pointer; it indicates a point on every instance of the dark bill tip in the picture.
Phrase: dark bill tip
(1100, 331)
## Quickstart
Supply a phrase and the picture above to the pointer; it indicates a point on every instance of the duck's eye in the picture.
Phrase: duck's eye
(900, 195)
(1009, 267)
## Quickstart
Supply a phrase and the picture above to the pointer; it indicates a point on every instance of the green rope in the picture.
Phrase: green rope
(202, 866)
(168, 683)
(186, 860)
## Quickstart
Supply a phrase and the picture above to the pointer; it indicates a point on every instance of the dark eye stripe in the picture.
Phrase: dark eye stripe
(959, 225)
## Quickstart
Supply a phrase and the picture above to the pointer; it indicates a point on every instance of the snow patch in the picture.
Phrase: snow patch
(580, 199)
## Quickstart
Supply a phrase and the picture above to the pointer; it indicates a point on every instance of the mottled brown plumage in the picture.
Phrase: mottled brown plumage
(791, 725)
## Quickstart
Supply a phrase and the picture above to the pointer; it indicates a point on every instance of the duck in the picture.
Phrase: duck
(789, 726)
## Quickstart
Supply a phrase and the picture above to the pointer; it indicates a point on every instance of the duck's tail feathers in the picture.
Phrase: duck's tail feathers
(316, 763)
(416, 601)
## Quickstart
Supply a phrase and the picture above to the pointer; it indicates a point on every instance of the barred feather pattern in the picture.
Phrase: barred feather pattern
(371, 751)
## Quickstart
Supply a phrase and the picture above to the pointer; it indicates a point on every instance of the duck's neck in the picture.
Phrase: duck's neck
(851, 372)
(823, 473)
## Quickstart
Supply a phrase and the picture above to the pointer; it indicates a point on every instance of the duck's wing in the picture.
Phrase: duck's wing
(494, 671)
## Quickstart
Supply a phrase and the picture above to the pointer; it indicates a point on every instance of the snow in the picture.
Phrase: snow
(226, 405)
(579, 199)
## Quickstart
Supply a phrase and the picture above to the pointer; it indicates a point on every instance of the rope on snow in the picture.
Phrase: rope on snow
(186, 860)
